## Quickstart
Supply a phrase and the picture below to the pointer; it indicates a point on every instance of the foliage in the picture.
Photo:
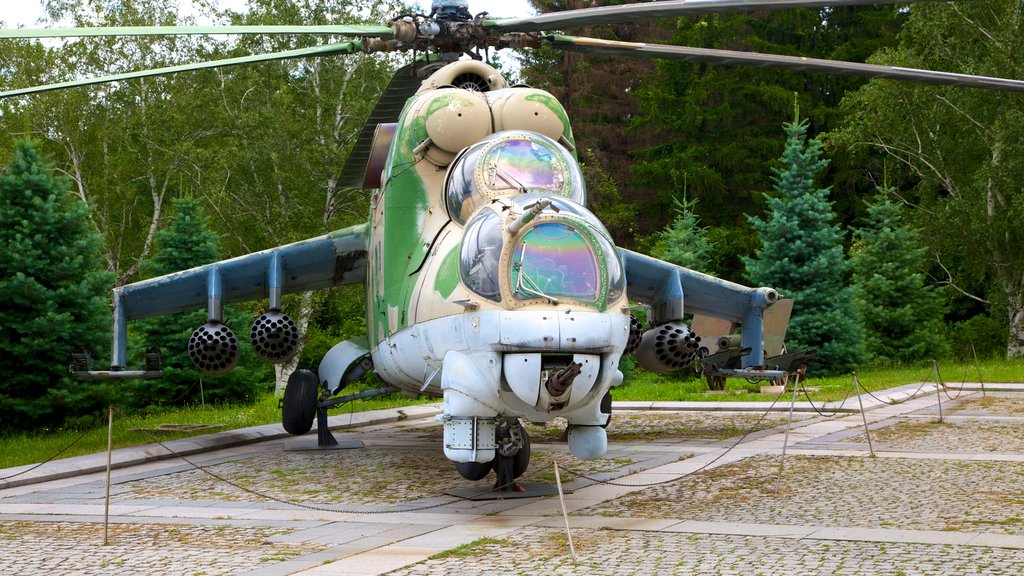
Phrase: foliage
(801, 255)
(902, 316)
(716, 127)
(684, 241)
(959, 151)
(986, 334)
(54, 294)
(605, 201)
(188, 242)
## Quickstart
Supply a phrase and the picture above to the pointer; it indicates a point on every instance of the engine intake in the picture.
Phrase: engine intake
(213, 348)
(274, 336)
(668, 347)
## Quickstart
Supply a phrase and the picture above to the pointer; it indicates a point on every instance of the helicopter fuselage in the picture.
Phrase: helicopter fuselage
(488, 282)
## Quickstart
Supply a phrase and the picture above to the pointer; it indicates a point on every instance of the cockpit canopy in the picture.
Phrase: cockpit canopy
(511, 162)
(564, 253)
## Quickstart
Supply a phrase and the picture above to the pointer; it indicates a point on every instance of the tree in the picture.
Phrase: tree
(55, 294)
(801, 255)
(902, 316)
(684, 241)
(961, 150)
(188, 242)
(715, 127)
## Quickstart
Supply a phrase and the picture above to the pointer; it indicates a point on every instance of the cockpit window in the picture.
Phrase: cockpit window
(480, 253)
(511, 162)
(553, 259)
(524, 166)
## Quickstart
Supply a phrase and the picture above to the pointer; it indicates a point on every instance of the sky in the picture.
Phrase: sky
(26, 12)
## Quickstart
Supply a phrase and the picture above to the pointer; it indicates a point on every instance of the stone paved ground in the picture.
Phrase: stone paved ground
(939, 499)
(76, 548)
(540, 552)
(835, 491)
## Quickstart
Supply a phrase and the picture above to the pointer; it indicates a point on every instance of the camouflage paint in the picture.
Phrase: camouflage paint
(551, 103)
(411, 197)
(448, 274)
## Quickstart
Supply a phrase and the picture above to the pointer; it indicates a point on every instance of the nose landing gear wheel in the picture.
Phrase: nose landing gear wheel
(474, 470)
(513, 455)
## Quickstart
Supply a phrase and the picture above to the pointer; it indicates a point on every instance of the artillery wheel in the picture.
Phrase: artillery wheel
(716, 382)
(299, 404)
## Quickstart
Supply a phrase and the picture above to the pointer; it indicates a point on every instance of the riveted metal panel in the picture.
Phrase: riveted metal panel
(530, 329)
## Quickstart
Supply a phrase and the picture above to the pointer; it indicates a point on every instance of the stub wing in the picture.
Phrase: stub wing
(330, 260)
(671, 290)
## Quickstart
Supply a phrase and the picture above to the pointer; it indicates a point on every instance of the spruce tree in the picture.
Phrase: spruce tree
(684, 241)
(902, 316)
(801, 255)
(188, 242)
(54, 294)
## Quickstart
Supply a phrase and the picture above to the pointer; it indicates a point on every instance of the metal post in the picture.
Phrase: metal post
(110, 450)
(978, 367)
(785, 441)
(938, 387)
(202, 395)
(565, 513)
(863, 415)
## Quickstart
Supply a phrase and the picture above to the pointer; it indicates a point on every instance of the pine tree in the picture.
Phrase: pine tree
(188, 242)
(54, 294)
(902, 316)
(684, 241)
(801, 255)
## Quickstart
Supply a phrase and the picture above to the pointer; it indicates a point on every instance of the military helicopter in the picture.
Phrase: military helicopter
(489, 283)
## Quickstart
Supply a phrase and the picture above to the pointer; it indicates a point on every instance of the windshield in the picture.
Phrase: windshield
(511, 162)
(553, 259)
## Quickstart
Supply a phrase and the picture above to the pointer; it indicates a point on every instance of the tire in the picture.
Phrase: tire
(474, 470)
(521, 459)
(299, 405)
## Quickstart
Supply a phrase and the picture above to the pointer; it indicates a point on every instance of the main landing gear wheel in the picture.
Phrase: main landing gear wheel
(299, 405)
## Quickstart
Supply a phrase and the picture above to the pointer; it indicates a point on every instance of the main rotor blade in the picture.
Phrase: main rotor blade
(327, 49)
(798, 63)
(336, 30)
(655, 10)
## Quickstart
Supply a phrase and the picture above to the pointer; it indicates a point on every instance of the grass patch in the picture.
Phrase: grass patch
(686, 386)
(477, 547)
(27, 448)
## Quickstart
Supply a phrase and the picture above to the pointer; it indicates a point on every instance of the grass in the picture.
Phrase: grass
(18, 449)
(648, 386)
(28, 448)
(477, 547)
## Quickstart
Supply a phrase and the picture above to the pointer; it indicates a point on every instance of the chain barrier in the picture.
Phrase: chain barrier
(692, 472)
(807, 395)
(93, 427)
(924, 382)
(315, 507)
(959, 391)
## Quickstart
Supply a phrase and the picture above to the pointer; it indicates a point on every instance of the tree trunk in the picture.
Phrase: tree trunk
(284, 370)
(1015, 307)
